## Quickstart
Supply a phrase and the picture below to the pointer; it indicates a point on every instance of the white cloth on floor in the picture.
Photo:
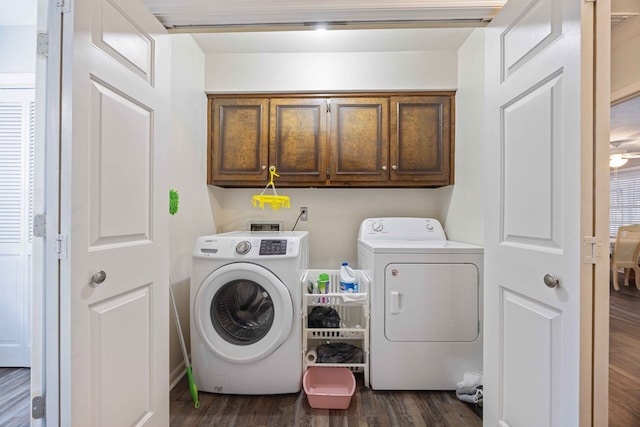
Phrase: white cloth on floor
(471, 398)
(470, 388)
(471, 379)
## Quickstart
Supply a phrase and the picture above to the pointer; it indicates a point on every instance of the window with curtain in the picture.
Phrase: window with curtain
(624, 199)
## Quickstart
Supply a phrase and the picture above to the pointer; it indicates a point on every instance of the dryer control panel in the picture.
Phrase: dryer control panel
(401, 229)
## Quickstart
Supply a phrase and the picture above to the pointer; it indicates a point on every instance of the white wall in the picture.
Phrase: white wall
(625, 56)
(335, 214)
(353, 71)
(187, 175)
(18, 49)
(463, 223)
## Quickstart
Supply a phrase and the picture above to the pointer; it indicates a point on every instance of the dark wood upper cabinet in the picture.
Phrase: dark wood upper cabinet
(332, 140)
(238, 137)
(359, 139)
(421, 139)
(298, 139)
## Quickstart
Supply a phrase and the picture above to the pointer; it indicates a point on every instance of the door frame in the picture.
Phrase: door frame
(48, 113)
(595, 348)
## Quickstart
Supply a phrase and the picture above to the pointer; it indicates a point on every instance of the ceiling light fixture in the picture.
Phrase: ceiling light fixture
(616, 160)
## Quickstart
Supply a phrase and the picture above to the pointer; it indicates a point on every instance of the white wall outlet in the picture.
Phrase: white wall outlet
(304, 214)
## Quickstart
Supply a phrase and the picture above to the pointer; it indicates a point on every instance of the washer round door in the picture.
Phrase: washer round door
(243, 312)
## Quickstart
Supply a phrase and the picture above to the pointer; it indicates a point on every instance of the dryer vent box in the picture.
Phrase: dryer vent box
(265, 226)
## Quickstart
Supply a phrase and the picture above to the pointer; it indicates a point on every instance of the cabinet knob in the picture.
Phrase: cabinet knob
(394, 167)
(264, 167)
(384, 168)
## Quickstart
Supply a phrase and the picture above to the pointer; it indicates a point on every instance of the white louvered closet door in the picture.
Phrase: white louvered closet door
(16, 202)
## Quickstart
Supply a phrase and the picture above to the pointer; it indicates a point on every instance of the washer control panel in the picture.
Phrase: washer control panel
(249, 245)
(273, 247)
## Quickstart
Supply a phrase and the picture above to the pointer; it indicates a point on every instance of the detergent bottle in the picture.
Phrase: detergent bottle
(348, 280)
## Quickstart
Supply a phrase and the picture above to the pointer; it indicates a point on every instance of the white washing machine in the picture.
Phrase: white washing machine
(246, 312)
(426, 304)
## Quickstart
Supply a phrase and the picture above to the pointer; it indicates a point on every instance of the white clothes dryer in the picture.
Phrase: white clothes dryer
(246, 312)
(426, 304)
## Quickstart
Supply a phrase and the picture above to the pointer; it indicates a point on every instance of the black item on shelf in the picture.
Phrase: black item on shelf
(324, 317)
(339, 353)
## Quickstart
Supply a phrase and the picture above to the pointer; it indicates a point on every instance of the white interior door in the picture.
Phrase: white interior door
(539, 195)
(16, 183)
(114, 300)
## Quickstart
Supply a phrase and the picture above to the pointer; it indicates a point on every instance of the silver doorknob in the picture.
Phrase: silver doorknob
(551, 281)
(99, 277)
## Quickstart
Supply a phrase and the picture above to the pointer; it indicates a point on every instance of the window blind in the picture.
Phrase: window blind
(624, 199)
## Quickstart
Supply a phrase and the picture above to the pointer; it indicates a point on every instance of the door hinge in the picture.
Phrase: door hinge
(328, 107)
(42, 44)
(592, 250)
(61, 246)
(40, 225)
(63, 5)
(38, 407)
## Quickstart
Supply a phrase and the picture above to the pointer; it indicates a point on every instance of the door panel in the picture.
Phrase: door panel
(532, 159)
(535, 28)
(119, 125)
(124, 319)
(534, 221)
(114, 334)
(116, 33)
(543, 326)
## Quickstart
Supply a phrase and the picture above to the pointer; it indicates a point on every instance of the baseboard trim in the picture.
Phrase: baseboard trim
(176, 375)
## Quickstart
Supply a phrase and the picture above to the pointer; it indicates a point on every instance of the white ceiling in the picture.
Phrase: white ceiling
(625, 126)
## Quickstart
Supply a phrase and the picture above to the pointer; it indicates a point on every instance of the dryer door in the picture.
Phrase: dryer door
(243, 312)
(436, 302)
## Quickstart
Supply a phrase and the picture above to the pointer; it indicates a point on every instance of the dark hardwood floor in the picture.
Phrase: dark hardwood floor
(14, 397)
(624, 357)
(370, 407)
(367, 408)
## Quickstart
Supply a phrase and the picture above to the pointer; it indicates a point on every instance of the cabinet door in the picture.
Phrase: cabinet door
(359, 139)
(421, 143)
(298, 139)
(238, 138)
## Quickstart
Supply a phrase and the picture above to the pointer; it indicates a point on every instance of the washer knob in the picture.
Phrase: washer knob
(430, 227)
(243, 247)
(377, 226)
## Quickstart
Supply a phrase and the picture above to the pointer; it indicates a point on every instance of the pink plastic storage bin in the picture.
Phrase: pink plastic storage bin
(329, 388)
